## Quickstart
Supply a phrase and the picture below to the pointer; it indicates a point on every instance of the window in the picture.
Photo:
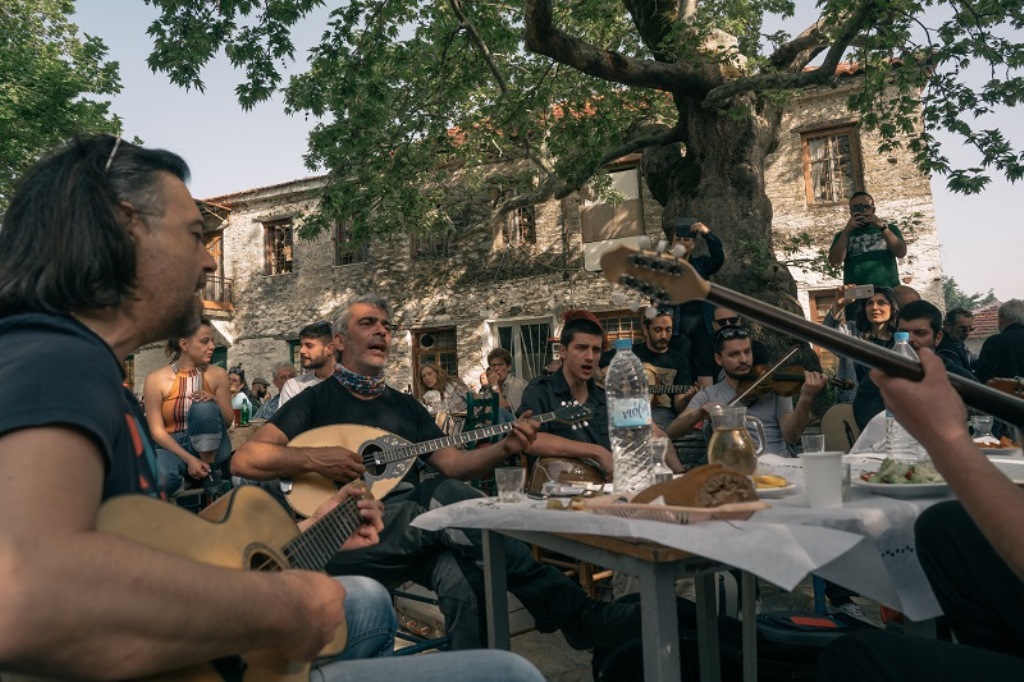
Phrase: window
(437, 346)
(602, 221)
(620, 324)
(529, 343)
(294, 346)
(431, 244)
(217, 292)
(821, 300)
(220, 357)
(832, 165)
(519, 225)
(278, 247)
(345, 252)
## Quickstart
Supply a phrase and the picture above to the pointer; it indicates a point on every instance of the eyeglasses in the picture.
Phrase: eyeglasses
(110, 159)
(728, 321)
(728, 333)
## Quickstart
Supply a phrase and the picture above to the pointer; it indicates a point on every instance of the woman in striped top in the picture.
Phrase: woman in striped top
(188, 410)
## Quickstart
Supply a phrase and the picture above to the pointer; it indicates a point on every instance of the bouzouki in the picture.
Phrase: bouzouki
(387, 457)
(246, 529)
(666, 280)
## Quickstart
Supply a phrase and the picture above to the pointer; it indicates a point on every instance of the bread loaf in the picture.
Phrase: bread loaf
(710, 485)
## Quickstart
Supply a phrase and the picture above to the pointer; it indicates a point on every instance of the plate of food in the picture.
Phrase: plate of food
(998, 447)
(903, 479)
(772, 487)
(709, 492)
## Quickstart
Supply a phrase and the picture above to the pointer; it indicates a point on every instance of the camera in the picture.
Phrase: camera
(857, 209)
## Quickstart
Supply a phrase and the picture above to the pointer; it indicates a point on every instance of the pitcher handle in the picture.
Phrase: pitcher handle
(761, 440)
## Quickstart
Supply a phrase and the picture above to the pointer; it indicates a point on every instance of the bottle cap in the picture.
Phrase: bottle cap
(623, 344)
(902, 336)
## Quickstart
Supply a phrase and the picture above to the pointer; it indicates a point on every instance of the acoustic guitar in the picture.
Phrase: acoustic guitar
(666, 280)
(387, 457)
(246, 529)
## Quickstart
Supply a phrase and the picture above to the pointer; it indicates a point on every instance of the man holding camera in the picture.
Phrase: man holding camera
(867, 248)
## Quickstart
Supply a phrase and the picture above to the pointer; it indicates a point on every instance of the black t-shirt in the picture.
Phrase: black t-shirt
(331, 403)
(54, 371)
(671, 368)
(547, 394)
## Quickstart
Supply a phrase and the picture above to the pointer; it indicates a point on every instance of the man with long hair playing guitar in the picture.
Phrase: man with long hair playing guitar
(102, 251)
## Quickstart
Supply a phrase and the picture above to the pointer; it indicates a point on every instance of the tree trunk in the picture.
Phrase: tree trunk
(718, 177)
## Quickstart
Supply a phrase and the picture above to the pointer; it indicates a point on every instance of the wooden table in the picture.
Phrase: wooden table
(240, 434)
(657, 567)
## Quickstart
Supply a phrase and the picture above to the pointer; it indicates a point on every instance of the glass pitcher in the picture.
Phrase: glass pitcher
(731, 444)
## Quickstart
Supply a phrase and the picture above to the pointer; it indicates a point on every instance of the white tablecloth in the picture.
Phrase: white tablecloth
(780, 553)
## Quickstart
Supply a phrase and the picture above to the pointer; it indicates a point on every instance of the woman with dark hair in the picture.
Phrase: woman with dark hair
(189, 408)
(238, 385)
(876, 322)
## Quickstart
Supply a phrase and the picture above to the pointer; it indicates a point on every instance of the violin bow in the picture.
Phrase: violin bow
(667, 280)
(765, 376)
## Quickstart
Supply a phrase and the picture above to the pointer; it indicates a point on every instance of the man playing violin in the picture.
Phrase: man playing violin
(783, 422)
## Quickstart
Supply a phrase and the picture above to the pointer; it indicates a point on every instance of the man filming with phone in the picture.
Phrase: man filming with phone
(867, 248)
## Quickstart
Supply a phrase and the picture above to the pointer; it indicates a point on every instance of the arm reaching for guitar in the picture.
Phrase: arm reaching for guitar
(367, 533)
(468, 464)
(158, 611)
(266, 455)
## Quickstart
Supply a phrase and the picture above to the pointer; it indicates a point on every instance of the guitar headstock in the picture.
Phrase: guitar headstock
(663, 278)
(572, 414)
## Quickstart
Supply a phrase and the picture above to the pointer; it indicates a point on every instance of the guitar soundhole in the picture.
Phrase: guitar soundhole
(260, 560)
(372, 467)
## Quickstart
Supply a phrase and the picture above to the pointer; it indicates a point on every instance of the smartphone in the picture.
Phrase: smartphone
(859, 291)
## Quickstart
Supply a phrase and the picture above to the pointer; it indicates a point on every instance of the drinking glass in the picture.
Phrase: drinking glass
(813, 443)
(510, 482)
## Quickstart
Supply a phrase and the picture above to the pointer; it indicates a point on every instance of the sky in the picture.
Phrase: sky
(230, 149)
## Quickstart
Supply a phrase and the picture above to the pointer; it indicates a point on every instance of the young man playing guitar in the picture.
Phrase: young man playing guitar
(446, 562)
(101, 251)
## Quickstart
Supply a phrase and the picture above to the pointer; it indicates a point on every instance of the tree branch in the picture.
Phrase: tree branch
(474, 35)
(858, 20)
(669, 136)
(543, 38)
(799, 51)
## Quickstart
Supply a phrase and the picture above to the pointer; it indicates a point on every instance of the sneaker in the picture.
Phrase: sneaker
(601, 624)
(853, 611)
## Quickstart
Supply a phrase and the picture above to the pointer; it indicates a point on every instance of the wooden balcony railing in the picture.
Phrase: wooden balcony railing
(217, 295)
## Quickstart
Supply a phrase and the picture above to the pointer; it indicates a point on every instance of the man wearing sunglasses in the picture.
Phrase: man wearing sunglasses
(957, 327)
(783, 422)
(723, 317)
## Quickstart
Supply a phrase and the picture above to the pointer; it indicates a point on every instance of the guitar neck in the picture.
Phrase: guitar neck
(977, 395)
(417, 449)
(314, 548)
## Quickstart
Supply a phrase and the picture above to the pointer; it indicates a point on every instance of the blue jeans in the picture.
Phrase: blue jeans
(204, 431)
(371, 637)
(481, 665)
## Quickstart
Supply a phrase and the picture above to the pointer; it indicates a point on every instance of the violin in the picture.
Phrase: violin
(784, 381)
(666, 279)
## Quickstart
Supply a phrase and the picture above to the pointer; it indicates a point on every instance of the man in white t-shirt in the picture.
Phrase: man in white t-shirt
(783, 423)
(316, 354)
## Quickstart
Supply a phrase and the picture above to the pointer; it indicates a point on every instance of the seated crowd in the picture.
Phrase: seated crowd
(66, 586)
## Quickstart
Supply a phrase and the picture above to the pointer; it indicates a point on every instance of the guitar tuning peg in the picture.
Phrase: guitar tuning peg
(645, 242)
(662, 245)
(635, 306)
(619, 298)
(651, 312)
(678, 250)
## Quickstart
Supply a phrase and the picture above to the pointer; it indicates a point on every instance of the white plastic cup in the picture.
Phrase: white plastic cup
(813, 443)
(510, 482)
(823, 477)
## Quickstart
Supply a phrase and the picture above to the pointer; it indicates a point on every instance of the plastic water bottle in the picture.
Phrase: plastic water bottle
(629, 419)
(898, 443)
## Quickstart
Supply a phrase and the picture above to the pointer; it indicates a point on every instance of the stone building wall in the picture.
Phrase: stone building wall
(483, 280)
(902, 194)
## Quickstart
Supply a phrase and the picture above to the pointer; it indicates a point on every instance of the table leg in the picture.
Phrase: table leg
(707, 629)
(496, 591)
(748, 589)
(659, 622)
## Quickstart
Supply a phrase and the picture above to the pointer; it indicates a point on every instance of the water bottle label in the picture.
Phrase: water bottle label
(630, 412)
